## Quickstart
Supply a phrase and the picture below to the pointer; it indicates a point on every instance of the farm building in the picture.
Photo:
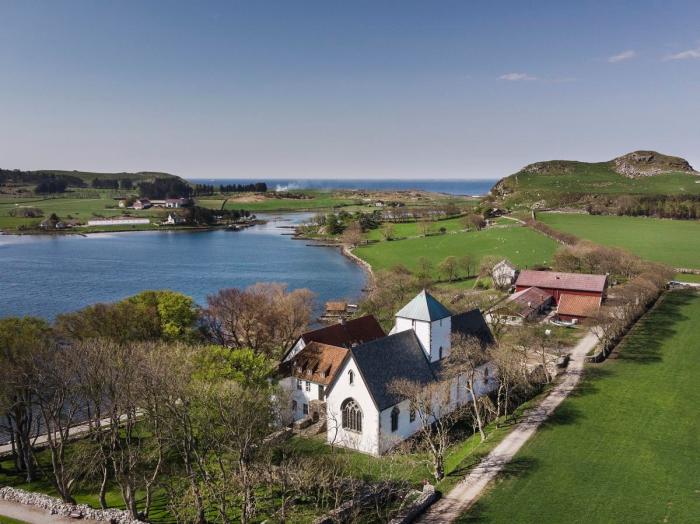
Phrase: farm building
(567, 289)
(526, 305)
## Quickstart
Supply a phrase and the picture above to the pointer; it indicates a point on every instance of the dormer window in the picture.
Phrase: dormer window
(351, 377)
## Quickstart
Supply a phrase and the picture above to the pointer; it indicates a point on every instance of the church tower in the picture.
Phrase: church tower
(431, 321)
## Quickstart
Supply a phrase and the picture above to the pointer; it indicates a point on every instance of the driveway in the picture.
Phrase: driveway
(464, 494)
(30, 514)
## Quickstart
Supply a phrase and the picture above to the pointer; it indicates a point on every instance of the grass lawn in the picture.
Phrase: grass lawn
(625, 447)
(673, 242)
(687, 277)
(410, 229)
(522, 246)
(9, 520)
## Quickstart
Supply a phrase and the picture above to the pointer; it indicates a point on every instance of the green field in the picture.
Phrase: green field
(8, 520)
(672, 242)
(520, 245)
(412, 229)
(625, 447)
(65, 207)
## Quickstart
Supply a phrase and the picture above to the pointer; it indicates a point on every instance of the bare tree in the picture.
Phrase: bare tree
(265, 317)
(352, 235)
(466, 263)
(423, 227)
(465, 366)
(388, 231)
(433, 406)
(448, 267)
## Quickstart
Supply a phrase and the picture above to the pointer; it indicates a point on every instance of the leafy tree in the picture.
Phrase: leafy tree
(243, 366)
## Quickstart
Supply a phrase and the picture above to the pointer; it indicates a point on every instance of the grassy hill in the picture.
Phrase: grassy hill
(89, 176)
(567, 181)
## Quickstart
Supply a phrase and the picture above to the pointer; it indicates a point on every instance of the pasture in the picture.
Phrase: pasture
(624, 447)
(520, 245)
(672, 242)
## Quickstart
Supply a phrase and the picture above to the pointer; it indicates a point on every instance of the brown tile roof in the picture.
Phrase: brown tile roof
(528, 300)
(347, 334)
(317, 363)
(556, 280)
(578, 305)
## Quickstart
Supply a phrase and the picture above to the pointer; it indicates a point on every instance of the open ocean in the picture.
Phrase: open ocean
(449, 186)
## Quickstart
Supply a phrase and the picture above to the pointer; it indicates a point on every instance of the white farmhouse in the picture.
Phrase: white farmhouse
(362, 411)
(504, 274)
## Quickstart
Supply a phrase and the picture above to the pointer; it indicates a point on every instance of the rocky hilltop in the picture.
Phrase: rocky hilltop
(650, 163)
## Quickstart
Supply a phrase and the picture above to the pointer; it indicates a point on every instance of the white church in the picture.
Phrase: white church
(344, 371)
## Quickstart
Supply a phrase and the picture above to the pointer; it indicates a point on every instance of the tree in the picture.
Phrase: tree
(425, 268)
(466, 263)
(352, 234)
(533, 339)
(21, 341)
(242, 366)
(511, 371)
(432, 405)
(474, 221)
(423, 227)
(177, 313)
(388, 231)
(265, 318)
(448, 267)
(465, 366)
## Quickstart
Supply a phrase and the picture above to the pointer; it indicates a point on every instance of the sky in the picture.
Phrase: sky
(336, 89)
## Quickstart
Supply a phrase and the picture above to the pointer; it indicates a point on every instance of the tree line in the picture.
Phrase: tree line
(209, 189)
(112, 183)
(683, 207)
(161, 188)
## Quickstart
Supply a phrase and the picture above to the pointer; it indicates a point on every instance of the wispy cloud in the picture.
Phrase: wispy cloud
(621, 57)
(517, 77)
(685, 55)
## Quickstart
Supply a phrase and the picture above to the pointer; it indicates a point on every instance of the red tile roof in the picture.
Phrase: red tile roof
(578, 305)
(347, 334)
(556, 280)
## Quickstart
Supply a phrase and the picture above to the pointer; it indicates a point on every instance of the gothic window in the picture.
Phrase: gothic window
(352, 415)
(395, 419)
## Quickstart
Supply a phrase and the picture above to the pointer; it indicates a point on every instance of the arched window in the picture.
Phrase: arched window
(395, 419)
(352, 415)
(351, 377)
(440, 353)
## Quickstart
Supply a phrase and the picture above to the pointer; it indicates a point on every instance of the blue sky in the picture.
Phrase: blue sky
(329, 89)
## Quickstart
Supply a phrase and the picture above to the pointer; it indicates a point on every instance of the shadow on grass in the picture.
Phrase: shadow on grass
(518, 468)
(644, 342)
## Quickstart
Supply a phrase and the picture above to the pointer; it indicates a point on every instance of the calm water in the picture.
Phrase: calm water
(450, 186)
(47, 275)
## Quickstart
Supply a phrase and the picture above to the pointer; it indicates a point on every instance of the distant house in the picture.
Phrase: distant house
(174, 220)
(122, 202)
(127, 221)
(524, 306)
(504, 274)
(142, 203)
(175, 203)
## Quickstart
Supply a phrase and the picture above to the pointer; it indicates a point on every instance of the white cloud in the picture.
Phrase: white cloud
(684, 55)
(625, 55)
(516, 77)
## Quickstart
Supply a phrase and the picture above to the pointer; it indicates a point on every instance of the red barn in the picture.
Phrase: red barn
(564, 287)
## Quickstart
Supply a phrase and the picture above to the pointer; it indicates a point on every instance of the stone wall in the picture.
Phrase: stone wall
(56, 506)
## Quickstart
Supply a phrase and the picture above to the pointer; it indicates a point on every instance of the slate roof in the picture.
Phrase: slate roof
(557, 280)
(528, 300)
(578, 305)
(472, 323)
(396, 357)
(424, 307)
(347, 334)
(318, 363)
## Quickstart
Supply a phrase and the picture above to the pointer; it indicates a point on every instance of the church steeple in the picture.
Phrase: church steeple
(430, 320)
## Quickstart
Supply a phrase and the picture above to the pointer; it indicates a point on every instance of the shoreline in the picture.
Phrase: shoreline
(118, 229)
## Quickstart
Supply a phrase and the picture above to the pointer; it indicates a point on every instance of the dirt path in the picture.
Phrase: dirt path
(30, 514)
(464, 494)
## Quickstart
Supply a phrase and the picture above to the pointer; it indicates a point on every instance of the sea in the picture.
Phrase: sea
(45, 275)
(477, 187)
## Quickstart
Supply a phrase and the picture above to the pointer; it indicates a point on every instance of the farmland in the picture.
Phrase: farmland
(672, 242)
(522, 246)
(624, 447)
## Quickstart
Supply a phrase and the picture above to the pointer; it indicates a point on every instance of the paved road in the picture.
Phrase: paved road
(464, 494)
(30, 514)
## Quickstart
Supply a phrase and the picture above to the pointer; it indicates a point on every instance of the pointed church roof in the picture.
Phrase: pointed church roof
(424, 307)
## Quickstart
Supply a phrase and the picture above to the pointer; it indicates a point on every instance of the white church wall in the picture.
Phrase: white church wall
(441, 337)
(300, 397)
(366, 441)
